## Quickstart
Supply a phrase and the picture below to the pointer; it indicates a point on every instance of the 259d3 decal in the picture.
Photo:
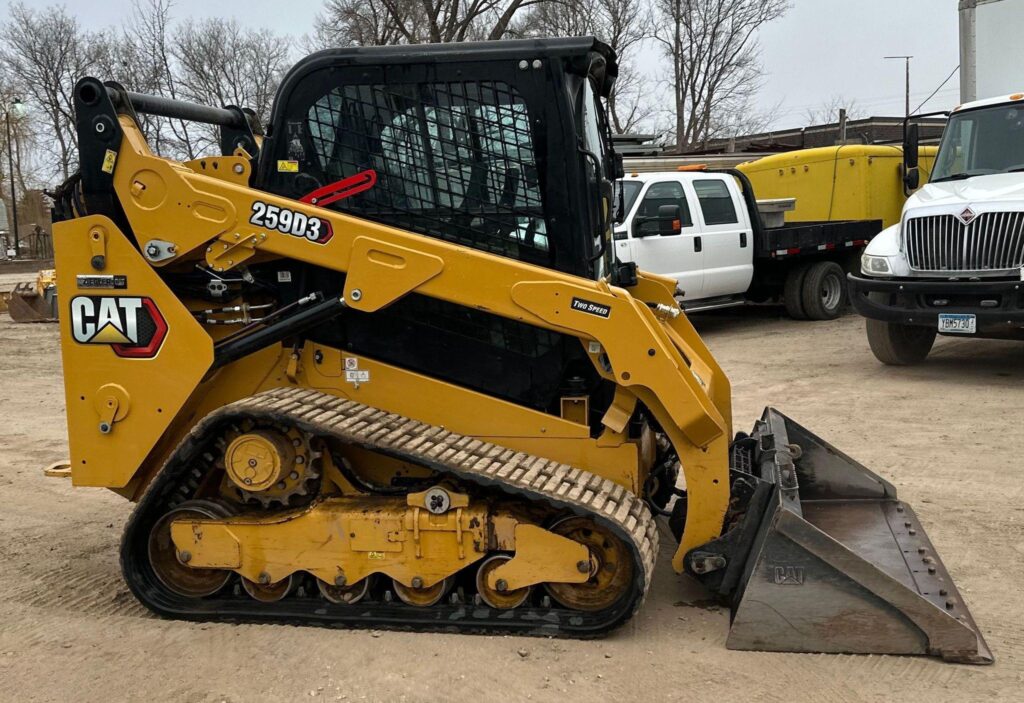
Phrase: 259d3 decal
(287, 221)
(132, 326)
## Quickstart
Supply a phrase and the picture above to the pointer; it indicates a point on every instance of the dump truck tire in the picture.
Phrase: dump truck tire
(823, 291)
(792, 292)
(899, 345)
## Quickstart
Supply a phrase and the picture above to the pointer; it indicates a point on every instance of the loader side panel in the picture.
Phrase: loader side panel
(132, 352)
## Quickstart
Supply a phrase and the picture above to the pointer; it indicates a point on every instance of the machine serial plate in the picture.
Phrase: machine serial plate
(115, 282)
(951, 323)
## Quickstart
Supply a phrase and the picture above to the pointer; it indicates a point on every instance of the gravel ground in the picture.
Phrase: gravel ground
(946, 433)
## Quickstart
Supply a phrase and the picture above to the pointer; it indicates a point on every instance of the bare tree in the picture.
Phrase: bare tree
(714, 62)
(219, 63)
(22, 142)
(139, 56)
(828, 111)
(45, 52)
(624, 24)
(354, 22)
(376, 22)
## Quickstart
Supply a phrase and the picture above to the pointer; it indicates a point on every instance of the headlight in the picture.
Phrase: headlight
(875, 265)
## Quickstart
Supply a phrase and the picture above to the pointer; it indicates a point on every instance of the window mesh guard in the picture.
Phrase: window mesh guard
(454, 160)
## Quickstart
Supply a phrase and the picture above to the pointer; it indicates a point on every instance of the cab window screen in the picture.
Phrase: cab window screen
(715, 202)
(453, 160)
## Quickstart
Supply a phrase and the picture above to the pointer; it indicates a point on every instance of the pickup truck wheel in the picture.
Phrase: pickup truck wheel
(824, 291)
(792, 292)
(899, 345)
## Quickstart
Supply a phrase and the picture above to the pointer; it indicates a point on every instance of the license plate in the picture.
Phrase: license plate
(950, 323)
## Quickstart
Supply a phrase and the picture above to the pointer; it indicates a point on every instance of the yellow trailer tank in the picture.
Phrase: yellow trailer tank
(851, 182)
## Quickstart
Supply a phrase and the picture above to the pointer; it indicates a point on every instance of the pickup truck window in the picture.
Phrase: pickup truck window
(658, 194)
(715, 202)
(630, 189)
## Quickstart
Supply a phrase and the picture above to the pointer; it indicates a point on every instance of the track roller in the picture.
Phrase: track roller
(269, 592)
(422, 597)
(502, 600)
(344, 594)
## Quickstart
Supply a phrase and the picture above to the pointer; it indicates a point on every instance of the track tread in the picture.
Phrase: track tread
(518, 474)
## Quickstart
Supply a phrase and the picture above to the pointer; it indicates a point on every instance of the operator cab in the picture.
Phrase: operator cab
(503, 148)
(500, 146)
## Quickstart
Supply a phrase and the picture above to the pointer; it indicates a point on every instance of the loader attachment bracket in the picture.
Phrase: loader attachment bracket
(821, 556)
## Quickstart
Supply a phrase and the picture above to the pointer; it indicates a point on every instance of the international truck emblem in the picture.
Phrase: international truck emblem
(967, 216)
(132, 326)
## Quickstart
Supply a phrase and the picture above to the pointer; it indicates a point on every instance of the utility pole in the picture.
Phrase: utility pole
(13, 107)
(906, 60)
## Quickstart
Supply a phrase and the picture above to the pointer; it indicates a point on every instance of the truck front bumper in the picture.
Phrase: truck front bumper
(998, 305)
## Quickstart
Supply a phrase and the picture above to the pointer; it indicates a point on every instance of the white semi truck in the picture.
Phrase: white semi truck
(954, 265)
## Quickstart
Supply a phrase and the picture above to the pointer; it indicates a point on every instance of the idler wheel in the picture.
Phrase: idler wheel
(611, 567)
(171, 567)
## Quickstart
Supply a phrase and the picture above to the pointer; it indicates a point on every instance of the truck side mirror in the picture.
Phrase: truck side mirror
(667, 222)
(670, 220)
(911, 174)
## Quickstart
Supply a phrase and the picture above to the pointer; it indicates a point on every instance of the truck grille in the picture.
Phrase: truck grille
(993, 241)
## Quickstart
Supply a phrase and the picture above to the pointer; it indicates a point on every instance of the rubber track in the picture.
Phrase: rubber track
(514, 474)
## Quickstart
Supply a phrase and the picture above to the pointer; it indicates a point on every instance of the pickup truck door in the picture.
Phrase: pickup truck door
(727, 236)
(676, 255)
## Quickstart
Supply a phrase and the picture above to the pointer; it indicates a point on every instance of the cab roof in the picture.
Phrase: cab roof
(987, 102)
(577, 52)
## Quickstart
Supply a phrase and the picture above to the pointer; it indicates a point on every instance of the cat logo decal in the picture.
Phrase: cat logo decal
(132, 326)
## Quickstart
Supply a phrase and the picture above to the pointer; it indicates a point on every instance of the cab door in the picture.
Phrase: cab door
(727, 236)
(677, 255)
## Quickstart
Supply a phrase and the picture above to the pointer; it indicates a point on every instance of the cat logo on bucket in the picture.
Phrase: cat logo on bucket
(131, 326)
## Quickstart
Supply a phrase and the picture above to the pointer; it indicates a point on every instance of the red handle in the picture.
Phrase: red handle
(339, 190)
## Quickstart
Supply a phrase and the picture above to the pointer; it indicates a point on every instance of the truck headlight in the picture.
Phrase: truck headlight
(875, 265)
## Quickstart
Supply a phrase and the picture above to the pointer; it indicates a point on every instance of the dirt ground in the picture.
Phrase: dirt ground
(947, 434)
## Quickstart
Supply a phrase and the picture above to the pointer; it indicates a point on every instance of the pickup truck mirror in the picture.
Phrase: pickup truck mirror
(911, 174)
(670, 220)
(667, 222)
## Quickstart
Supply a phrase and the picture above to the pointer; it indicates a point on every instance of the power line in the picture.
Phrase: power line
(937, 89)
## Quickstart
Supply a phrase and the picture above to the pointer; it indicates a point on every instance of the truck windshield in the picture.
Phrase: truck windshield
(981, 142)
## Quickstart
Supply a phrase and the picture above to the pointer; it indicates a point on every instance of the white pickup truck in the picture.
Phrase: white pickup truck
(954, 265)
(704, 229)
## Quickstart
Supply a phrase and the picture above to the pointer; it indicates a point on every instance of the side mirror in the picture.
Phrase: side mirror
(911, 174)
(670, 220)
(667, 222)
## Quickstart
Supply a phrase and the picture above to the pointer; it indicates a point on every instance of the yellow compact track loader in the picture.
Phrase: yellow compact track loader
(379, 367)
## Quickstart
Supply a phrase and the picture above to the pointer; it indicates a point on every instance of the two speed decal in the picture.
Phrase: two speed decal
(287, 221)
(590, 307)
